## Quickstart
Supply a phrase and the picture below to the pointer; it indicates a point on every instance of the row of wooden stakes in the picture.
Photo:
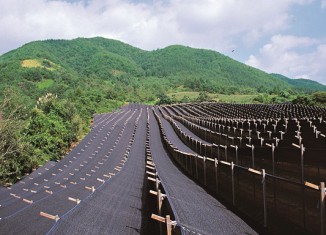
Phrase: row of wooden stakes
(153, 176)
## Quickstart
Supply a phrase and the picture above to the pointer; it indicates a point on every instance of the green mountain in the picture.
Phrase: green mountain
(50, 89)
(118, 71)
(301, 84)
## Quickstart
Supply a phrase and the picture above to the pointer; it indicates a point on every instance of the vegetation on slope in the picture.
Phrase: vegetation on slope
(50, 89)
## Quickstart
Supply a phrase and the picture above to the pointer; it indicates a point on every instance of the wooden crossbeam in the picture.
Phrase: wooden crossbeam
(101, 180)
(310, 185)
(46, 215)
(48, 191)
(150, 173)
(158, 218)
(155, 193)
(27, 201)
(90, 188)
(150, 167)
(74, 200)
(152, 179)
(254, 171)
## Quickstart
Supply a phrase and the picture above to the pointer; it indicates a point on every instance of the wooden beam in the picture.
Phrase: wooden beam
(254, 171)
(158, 218)
(310, 185)
(46, 215)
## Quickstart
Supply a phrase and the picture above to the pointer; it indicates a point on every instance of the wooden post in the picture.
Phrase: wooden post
(252, 154)
(157, 183)
(236, 153)
(204, 159)
(264, 197)
(168, 225)
(232, 178)
(302, 149)
(226, 153)
(159, 202)
(216, 174)
(273, 163)
(190, 159)
(196, 166)
(322, 208)
(302, 166)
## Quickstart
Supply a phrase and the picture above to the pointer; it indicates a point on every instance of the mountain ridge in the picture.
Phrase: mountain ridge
(113, 60)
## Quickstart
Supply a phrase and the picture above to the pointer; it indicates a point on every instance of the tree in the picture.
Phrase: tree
(164, 99)
(16, 155)
(203, 96)
(319, 97)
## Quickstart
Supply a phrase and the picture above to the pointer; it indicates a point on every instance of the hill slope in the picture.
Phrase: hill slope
(301, 84)
(50, 89)
(123, 72)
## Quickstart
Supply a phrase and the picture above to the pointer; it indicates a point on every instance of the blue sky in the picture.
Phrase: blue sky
(279, 36)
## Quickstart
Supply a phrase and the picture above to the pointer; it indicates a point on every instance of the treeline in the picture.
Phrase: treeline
(30, 135)
(50, 90)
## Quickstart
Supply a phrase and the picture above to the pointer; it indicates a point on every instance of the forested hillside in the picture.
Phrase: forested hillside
(50, 90)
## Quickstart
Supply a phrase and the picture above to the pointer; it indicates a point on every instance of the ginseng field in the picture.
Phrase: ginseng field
(206, 168)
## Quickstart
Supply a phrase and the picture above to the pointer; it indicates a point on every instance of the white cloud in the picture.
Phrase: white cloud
(292, 56)
(323, 4)
(221, 25)
(213, 24)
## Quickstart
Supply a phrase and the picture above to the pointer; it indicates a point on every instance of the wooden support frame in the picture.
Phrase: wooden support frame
(169, 223)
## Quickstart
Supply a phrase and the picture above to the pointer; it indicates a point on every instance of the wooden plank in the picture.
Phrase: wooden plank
(98, 179)
(74, 200)
(150, 173)
(254, 171)
(158, 218)
(225, 163)
(14, 195)
(152, 179)
(46, 215)
(48, 191)
(28, 201)
(150, 163)
(90, 188)
(295, 145)
(155, 193)
(310, 185)
(149, 167)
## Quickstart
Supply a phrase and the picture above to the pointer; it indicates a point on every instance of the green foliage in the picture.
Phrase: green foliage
(303, 99)
(45, 84)
(203, 96)
(54, 124)
(301, 85)
(16, 155)
(97, 75)
(163, 99)
(319, 97)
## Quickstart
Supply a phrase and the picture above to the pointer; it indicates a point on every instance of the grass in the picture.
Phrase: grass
(45, 83)
(31, 63)
(192, 95)
(38, 63)
(242, 99)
